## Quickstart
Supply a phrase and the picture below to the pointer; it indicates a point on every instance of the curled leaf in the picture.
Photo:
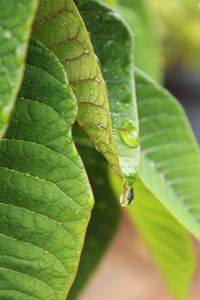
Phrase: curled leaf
(60, 27)
(112, 41)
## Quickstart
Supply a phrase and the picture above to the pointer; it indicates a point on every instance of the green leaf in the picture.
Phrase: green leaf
(59, 26)
(105, 215)
(16, 18)
(147, 46)
(112, 3)
(45, 200)
(170, 163)
(166, 173)
(114, 50)
(167, 239)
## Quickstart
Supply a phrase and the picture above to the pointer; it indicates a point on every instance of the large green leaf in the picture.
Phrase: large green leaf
(114, 50)
(16, 18)
(59, 26)
(168, 185)
(170, 164)
(170, 174)
(167, 239)
(147, 48)
(45, 198)
(105, 212)
(105, 215)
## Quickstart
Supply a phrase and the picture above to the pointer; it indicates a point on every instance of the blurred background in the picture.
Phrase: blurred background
(171, 31)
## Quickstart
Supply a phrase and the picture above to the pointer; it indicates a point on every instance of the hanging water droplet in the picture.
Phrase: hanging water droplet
(129, 134)
(127, 197)
(130, 197)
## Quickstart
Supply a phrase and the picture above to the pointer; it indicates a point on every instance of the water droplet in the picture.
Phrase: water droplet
(129, 134)
(127, 197)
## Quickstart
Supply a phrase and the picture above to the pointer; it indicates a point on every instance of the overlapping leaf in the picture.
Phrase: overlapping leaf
(170, 165)
(105, 215)
(114, 50)
(45, 198)
(170, 173)
(121, 94)
(60, 27)
(87, 12)
(16, 18)
(167, 239)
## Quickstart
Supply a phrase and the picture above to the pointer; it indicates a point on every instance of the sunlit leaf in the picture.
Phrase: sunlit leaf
(114, 50)
(60, 27)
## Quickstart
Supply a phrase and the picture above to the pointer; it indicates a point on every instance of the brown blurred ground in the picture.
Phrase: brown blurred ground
(128, 273)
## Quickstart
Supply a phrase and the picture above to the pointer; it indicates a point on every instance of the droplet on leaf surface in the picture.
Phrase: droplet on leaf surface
(129, 134)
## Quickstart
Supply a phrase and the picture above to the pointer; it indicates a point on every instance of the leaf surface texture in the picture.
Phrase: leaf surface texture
(45, 198)
(16, 18)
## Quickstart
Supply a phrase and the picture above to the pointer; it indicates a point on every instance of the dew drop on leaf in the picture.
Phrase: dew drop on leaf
(129, 134)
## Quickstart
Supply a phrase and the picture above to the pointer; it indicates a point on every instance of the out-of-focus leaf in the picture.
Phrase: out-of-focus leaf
(16, 18)
(170, 163)
(112, 41)
(167, 194)
(167, 240)
(147, 46)
(45, 197)
(178, 24)
(60, 27)
(110, 2)
(105, 216)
